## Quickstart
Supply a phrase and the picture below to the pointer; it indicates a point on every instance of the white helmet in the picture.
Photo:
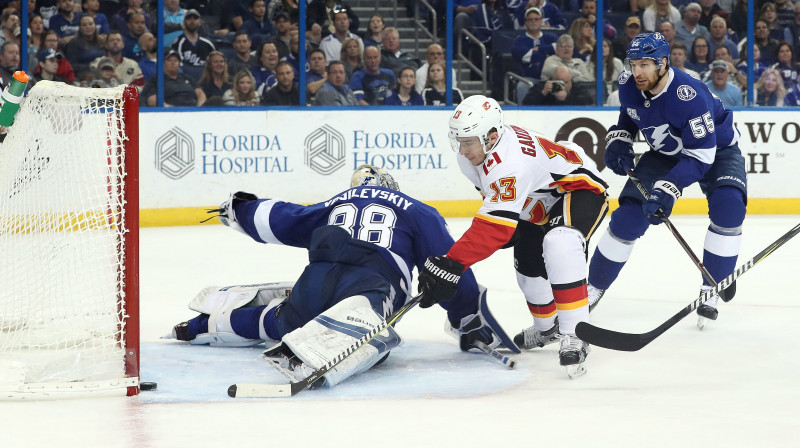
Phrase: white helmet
(369, 175)
(476, 116)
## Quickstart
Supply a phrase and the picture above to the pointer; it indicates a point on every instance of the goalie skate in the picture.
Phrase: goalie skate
(572, 355)
(285, 362)
(708, 310)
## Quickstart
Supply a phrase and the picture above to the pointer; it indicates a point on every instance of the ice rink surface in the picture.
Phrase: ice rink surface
(735, 384)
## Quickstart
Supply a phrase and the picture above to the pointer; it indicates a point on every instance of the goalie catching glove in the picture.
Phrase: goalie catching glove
(438, 282)
(226, 212)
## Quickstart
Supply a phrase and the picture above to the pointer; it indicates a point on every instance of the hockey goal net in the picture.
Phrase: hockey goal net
(69, 323)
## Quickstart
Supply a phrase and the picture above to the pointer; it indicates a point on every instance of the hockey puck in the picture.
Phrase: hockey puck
(148, 385)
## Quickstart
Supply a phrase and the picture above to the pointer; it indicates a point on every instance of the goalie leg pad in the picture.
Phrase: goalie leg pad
(330, 333)
(220, 304)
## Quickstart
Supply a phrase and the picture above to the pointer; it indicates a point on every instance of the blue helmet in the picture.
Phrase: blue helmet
(648, 46)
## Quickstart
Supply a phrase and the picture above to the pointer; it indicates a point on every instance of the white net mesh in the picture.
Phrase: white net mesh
(62, 252)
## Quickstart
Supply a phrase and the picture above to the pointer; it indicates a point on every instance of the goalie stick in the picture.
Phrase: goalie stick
(631, 342)
(660, 213)
(293, 388)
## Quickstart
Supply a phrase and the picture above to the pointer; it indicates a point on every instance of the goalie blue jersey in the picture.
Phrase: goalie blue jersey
(684, 120)
(405, 230)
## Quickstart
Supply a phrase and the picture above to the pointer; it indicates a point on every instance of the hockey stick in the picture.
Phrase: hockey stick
(631, 342)
(677, 235)
(293, 388)
(502, 359)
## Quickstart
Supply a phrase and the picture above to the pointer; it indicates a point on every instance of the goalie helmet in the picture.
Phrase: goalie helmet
(369, 175)
(648, 46)
(476, 116)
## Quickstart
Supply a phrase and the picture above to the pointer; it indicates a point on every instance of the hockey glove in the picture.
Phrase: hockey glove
(226, 213)
(619, 151)
(473, 328)
(438, 282)
(662, 198)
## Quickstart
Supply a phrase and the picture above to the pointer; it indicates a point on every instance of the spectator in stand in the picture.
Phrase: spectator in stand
(758, 67)
(490, 16)
(769, 89)
(795, 26)
(589, 11)
(332, 44)
(66, 22)
(667, 29)
(351, 57)
(106, 76)
(179, 89)
(127, 69)
(64, 67)
(242, 59)
(392, 58)
(136, 28)
(612, 68)
(36, 41)
(719, 37)
(192, 48)
(677, 59)
(374, 34)
(563, 58)
(372, 84)
(149, 46)
(46, 68)
(283, 33)
(531, 49)
(215, 80)
(735, 78)
(699, 59)
(294, 51)
(729, 94)
(264, 73)
(314, 37)
(435, 53)
(243, 92)
(335, 91)
(285, 92)
(770, 16)
(709, 8)
(91, 8)
(322, 11)
(10, 21)
(785, 12)
(84, 48)
(658, 12)
(786, 65)
(316, 74)
(633, 26)
(405, 94)
(552, 18)
(119, 21)
(9, 62)
(557, 91)
(435, 93)
(173, 21)
(766, 44)
(688, 29)
(258, 26)
(583, 38)
(463, 16)
(792, 97)
(290, 7)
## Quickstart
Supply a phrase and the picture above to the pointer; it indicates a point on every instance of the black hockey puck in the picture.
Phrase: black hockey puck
(148, 385)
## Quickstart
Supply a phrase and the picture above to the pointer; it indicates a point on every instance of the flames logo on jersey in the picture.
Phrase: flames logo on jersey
(686, 93)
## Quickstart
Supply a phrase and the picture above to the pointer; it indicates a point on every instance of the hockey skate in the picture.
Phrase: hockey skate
(708, 310)
(572, 355)
(531, 337)
(595, 295)
(289, 365)
(180, 332)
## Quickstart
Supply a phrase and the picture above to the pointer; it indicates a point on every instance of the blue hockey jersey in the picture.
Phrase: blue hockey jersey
(406, 231)
(685, 121)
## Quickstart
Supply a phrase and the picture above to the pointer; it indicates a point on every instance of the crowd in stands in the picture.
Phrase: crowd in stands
(246, 52)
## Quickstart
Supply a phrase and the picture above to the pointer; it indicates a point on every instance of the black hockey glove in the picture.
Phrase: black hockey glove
(438, 282)
(619, 151)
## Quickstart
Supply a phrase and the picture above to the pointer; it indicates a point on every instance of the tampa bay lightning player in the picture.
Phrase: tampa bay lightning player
(692, 139)
(363, 245)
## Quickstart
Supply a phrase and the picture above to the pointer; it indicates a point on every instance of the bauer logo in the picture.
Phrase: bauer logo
(175, 153)
(324, 150)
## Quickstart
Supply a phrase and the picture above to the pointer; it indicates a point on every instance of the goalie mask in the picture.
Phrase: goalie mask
(369, 175)
(476, 116)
